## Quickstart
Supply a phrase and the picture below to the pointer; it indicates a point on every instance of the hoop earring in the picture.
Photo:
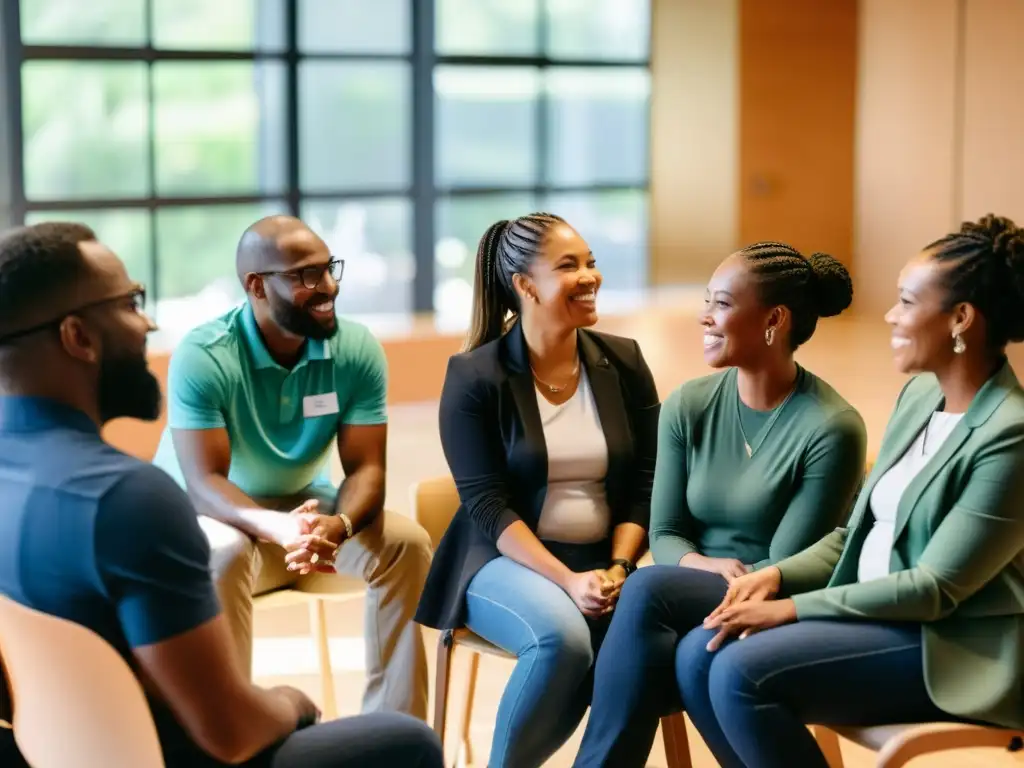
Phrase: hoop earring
(959, 346)
(769, 336)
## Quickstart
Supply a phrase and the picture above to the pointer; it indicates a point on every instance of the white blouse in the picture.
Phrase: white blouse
(575, 508)
(886, 495)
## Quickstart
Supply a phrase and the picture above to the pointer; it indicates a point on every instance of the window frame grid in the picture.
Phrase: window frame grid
(423, 193)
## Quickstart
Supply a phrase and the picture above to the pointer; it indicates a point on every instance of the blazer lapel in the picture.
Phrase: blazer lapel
(904, 426)
(988, 398)
(611, 407)
(524, 393)
(928, 473)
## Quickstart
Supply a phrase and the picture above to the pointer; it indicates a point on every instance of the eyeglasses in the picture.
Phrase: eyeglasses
(311, 277)
(137, 296)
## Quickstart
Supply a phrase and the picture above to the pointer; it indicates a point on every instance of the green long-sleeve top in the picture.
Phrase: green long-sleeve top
(798, 483)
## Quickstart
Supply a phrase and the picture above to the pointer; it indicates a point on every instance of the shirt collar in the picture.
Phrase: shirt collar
(36, 414)
(314, 349)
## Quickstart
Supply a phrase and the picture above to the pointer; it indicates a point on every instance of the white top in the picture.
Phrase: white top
(575, 508)
(885, 497)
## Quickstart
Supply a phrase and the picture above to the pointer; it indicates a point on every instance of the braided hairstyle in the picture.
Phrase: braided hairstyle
(507, 247)
(819, 286)
(986, 269)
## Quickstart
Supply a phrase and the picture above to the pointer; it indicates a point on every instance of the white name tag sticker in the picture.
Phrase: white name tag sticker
(320, 405)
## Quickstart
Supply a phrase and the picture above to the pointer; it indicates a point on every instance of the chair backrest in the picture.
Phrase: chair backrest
(434, 504)
(5, 698)
(76, 703)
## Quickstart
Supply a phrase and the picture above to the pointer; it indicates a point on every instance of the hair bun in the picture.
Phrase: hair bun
(1007, 238)
(833, 286)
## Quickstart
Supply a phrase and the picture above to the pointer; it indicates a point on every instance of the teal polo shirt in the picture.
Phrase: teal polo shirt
(282, 422)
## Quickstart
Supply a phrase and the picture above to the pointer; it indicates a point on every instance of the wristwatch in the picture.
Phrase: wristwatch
(627, 566)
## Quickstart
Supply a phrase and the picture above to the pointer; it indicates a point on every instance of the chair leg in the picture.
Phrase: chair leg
(467, 712)
(318, 628)
(828, 743)
(677, 743)
(441, 682)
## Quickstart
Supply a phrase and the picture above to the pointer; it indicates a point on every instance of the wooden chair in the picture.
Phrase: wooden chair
(315, 594)
(75, 702)
(343, 589)
(434, 504)
(897, 745)
(5, 699)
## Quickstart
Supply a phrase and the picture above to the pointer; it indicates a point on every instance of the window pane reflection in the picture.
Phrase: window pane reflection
(374, 237)
(486, 125)
(461, 222)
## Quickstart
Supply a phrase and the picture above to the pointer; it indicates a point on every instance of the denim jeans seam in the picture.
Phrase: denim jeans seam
(536, 642)
(863, 654)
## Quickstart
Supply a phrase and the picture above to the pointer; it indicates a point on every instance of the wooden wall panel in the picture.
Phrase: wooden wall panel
(798, 64)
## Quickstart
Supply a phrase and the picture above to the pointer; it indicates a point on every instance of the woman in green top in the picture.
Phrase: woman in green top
(914, 611)
(754, 464)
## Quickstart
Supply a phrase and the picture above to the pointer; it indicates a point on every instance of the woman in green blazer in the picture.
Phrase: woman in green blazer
(915, 610)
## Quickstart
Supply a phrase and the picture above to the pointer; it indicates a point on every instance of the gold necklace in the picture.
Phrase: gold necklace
(551, 387)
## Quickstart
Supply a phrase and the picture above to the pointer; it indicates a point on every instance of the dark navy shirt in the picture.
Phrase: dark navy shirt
(92, 535)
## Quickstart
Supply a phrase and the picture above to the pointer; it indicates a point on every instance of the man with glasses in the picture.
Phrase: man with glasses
(94, 536)
(257, 400)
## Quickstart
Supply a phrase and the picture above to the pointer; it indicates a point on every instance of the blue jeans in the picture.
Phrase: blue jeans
(633, 685)
(750, 700)
(549, 691)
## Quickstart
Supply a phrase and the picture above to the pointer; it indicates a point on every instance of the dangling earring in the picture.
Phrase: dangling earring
(958, 344)
(769, 336)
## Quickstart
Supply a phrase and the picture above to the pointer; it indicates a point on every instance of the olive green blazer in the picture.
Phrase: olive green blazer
(957, 564)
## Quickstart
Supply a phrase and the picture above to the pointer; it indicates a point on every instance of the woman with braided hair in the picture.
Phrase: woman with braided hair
(754, 463)
(914, 611)
(550, 432)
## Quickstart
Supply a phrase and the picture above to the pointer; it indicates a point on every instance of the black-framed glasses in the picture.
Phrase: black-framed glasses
(136, 295)
(311, 277)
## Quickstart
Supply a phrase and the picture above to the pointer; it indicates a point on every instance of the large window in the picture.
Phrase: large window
(398, 129)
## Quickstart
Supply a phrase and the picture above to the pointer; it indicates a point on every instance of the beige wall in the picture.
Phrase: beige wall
(798, 75)
(992, 160)
(694, 145)
(940, 128)
(905, 144)
(802, 120)
(751, 129)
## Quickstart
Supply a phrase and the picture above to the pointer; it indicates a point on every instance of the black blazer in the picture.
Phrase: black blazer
(493, 440)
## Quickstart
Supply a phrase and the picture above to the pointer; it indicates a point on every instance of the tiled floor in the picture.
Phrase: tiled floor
(284, 652)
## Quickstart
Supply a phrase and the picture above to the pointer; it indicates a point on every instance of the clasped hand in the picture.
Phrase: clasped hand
(309, 539)
(750, 606)
(596, 592)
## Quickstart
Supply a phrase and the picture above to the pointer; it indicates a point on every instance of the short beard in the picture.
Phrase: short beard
(298, 321)
(128, 389)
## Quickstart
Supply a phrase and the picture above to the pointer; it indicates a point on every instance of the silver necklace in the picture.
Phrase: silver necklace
(551, 387)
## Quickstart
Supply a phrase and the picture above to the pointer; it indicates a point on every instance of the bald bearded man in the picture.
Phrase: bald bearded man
(256, 399)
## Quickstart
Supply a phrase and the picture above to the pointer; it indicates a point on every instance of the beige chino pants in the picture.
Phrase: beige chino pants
(392, 555)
